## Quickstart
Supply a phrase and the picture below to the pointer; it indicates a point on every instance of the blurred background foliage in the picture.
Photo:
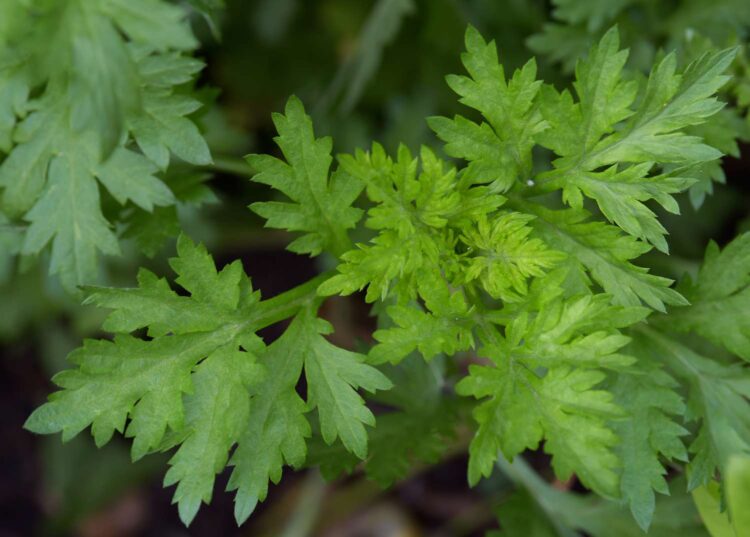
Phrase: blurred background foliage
(367, 70)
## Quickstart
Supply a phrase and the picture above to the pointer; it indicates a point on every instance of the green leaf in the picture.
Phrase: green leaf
(216, 412)
(376, 266)
(321, 206)
(416, 213)
(604, 99)
(14, 92)
(333, 375)
(417, 329)
(718, 397)
(187, 384)
(444, 328)
(68, 214)
(561, 407)
(571, 513)
(159, 24)
(194, 381)
(720, 298)
(161, 127)
(76, 79)
(498, 151)
(606, 253)
(23, 174)
(606, 128)
(593, 13)
(505, 257)
(129, 176)
(407, 439)
(672, 102)
(539, 388)
(276, 428)
(738, 491)
(649, 432)
(707, 500)
(417, 431)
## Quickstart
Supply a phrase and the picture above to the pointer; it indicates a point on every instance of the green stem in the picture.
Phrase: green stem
(307, 512)
(557, 505)
(231, 165)
(288, 303)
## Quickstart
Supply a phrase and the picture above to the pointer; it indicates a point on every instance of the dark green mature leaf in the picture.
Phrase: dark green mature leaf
(321, 207)
(195, 382)
(648, 395)
(76, 78)
(607, 254)
(718, 398)
(606, 128)
(720, 298)
(571, 514)
(276, 429)
(68, 214)
(417, 431)
(498, 152)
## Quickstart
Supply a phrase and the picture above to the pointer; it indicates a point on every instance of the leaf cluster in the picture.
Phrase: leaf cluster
(92, 94)
(520, 251)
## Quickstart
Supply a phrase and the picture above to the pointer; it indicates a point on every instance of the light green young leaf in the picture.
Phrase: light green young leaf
(541, 387)
(504, 257)
(738, 491)
(416, 212)
(443, 326)
(431, 334)
(389, 265)
(408, 198)
(708, 500)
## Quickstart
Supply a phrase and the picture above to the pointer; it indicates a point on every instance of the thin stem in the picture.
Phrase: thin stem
(231, 165)
(306, 514)
(556, 504)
